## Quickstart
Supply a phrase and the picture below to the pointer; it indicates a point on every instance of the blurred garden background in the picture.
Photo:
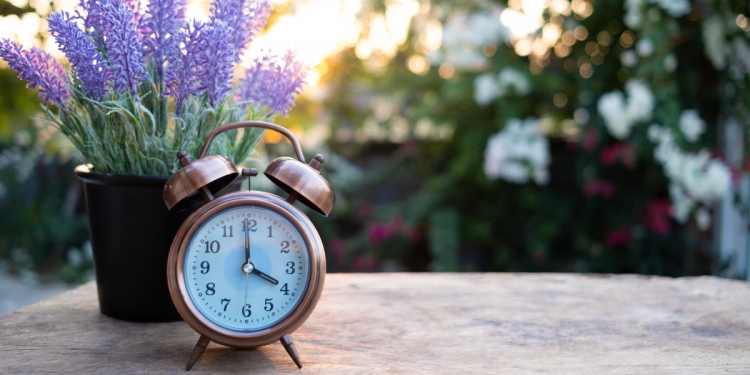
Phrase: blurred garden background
(599, 136)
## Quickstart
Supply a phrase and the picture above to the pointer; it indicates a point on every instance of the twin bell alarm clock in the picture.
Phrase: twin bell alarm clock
(247, 269)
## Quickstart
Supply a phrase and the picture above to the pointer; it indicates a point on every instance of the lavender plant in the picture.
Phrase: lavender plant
(144, 84)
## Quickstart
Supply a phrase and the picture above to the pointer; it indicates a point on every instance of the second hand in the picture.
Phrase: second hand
(247, 256)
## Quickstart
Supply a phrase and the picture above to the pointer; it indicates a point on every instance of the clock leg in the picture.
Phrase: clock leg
(199, 348)
(289, 346)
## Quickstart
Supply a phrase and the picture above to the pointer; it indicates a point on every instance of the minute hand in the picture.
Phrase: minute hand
(266, 277)
(247, 240)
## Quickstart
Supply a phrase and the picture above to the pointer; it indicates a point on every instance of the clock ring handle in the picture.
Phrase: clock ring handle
(253, 124)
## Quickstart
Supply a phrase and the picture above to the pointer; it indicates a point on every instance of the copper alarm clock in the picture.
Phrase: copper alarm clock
(247, 269)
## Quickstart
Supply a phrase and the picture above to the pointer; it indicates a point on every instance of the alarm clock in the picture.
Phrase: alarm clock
(247, 269)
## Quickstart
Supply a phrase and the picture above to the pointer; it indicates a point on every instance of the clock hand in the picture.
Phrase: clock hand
(247, 268)
(265, 276)
(247, 240)
(247, 281)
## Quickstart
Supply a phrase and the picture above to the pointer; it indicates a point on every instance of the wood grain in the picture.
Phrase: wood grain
(424, 323)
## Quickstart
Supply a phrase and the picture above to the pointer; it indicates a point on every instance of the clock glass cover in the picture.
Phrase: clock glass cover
(238, 294)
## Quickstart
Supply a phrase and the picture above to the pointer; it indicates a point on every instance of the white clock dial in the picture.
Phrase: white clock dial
(240, 295)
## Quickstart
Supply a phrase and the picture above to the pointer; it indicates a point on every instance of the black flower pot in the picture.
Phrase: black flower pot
(131, 232)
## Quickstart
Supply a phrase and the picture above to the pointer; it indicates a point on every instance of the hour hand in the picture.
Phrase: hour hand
(266, 277)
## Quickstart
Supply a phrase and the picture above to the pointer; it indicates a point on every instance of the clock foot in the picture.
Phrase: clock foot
(199, 348)
(289, 346)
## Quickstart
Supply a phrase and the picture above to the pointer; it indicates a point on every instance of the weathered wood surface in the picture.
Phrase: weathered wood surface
(424, 323)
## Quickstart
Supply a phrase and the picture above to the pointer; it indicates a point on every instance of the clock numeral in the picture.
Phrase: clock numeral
(251, 226)
(270, 232)
(205, 267)
(285, 247)
(290, 270)
(269, 305)
(227, 305)
(210, 291)
(285, 289)
(225, 231)
(246, 311)
(211, 248)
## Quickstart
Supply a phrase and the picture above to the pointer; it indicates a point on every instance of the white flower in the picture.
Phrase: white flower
(675, 8)
(628, 58)
(691, 125)
(75, 258)
(702, 218)
(581, 116)
(715, 42)
(716, 180)
(494, 155)
(645, 47)
(654, 133)
(541, 177)
(486, 89)
(641, 101)
(742, 54)
(634, 15)
(612, 109)
(465, 35)
(670, 63)
(619, 115)
(693, 178)
(518, 153)
(682, 205)
(509, 77)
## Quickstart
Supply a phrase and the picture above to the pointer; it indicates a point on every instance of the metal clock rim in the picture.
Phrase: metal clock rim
(307, 302)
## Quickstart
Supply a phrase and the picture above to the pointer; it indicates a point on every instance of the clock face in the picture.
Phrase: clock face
(240, 295)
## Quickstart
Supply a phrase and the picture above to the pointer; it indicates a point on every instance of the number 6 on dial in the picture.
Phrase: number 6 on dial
(211, 266)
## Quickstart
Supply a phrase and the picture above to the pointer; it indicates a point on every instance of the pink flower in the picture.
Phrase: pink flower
(378, 233)
(627, 155)
(364, 211)
(735, 175)
(591, 189)
(658, 216)
(599, 187)
(396, 225)
(607, 189)
(364, 263)
(415, 235)
(609, 154)
(620, 237)
(590, 140)
(622, 152)
(337, 247)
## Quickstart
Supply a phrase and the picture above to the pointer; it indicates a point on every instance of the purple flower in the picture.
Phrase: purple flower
(183, 67)
(204, 66)
(123, 47)
(93, 20)
(40, 69)
(81, 52)
(273, 83)
(245, 17)
(160, 26)
(216, 61)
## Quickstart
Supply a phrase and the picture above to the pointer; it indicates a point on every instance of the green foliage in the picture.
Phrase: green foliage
(123, 134)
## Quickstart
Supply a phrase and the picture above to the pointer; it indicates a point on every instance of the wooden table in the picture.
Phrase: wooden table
(424, 323)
